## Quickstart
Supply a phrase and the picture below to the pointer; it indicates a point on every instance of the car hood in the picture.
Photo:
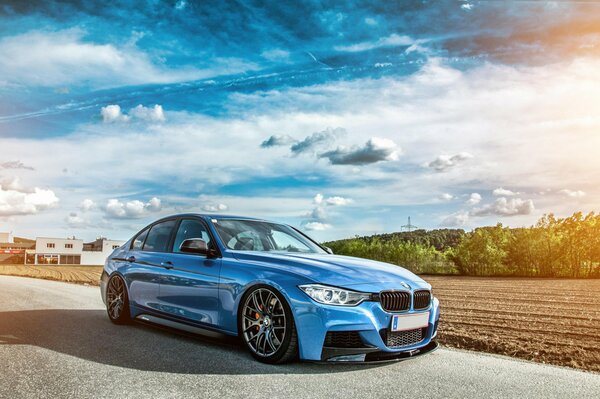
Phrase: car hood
(341, 271)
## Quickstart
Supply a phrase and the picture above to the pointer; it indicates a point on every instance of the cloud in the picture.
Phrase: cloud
(318, 199)
(445, 162)
(17, 201)
(572, 193)
(375, 150)
(276, 140)
(338, 201)
(501, 192)
(154, 114)
(134, 209)
(75, 221)
(466, 6)
(317, 139)
(474, 199)
(46, 58)
(446, 197)
(393, 40)
(276, 55)
(87, 205)
(505, 207)
(112, 113)
(15, 165)
(456, 219)
(215, 207)
(317, 226)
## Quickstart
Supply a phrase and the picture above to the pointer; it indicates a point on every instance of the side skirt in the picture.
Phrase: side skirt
(146, 318)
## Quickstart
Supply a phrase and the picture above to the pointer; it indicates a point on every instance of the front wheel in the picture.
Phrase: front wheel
(117, 301)
(267, 326)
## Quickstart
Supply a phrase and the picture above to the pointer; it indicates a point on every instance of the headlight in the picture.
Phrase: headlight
(334, 296)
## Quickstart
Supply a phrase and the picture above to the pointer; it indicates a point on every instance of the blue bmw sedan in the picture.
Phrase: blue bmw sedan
(281, 292)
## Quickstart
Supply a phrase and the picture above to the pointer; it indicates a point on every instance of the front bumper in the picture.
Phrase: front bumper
(369, 320)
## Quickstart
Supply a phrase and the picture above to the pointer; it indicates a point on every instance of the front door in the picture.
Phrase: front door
(189, 288)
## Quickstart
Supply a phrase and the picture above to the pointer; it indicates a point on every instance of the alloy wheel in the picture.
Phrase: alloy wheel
(264, 322)
(115, 297)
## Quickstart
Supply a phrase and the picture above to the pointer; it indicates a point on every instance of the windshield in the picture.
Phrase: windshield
(254, 235)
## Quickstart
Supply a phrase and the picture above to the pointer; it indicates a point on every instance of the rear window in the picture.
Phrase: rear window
(158, 237)
(139, 240)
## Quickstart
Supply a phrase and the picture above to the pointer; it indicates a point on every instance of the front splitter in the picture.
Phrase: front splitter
(374, 357)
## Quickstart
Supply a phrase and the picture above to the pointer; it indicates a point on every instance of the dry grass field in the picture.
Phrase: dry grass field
(545, 320)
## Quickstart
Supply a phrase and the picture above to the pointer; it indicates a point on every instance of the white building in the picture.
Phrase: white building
(71, 251)
(7, 238)
(58, 251)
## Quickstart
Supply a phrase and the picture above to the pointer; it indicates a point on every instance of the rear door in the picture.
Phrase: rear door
(189, 290)
(147, 262)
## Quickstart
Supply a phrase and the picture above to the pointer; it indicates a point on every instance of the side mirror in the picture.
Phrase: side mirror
(329, 250)
(195, 246)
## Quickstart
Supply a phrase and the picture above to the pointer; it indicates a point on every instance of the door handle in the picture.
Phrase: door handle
(167, 265)
(131, 259)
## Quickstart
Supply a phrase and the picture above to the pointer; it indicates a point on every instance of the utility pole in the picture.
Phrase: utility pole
(409, 227)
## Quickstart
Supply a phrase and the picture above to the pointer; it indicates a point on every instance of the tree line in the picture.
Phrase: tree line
(553, 247)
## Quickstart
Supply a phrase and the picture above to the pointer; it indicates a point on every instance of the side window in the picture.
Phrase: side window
(158, 237)
(139, 240)
(190, 228)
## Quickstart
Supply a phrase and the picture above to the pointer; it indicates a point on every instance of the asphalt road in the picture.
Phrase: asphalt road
(57, 342)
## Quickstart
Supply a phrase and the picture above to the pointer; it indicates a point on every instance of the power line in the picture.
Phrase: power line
(409, 227)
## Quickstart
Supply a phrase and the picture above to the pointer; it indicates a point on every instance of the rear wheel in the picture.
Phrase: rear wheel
(267, 326)
(117, 301)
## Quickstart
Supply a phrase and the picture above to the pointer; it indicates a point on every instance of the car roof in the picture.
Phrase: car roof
(211, 216)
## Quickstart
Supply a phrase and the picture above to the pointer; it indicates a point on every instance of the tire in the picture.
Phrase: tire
(117, 300)
(266, 325)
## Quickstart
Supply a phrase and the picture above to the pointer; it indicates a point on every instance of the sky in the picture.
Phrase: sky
(339, 118)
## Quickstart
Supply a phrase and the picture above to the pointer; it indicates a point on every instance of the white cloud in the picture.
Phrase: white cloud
(505, 207)
(318, 199)
(445, 162)
(154, 205)
(474, 199)
(47, 58)
(215, 207)
(154, 114)
(75, 221)
(572, 193)
(134, 209)
(456, 219)
(112, 113)
(393, 40)
(446, 197)
(338, 201)
(318, 226)
(17, 201)
(466, 6)
(87, 205)
(375, 150)
(276, 55)
(502, 192)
